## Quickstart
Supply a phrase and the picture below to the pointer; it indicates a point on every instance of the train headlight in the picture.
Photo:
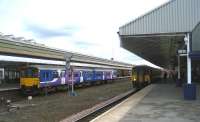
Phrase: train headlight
(134, 79)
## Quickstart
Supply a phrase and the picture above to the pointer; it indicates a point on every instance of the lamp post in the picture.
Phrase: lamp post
(69, 69)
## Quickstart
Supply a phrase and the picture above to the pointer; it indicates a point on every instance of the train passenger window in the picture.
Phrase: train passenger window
(76, 75)
(47, 75)
(10, 75)
(18, 76)
(99, 73)
(90, 73)
(6, 73)
(44, 75)
(1, 75)
(55, 74)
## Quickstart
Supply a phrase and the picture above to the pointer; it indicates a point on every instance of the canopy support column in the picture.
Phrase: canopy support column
(178, 81)
(189, 88)
(189, 66)
(179, 68)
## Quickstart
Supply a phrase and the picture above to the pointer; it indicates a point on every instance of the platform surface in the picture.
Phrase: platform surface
(7, 87)
(155, 103)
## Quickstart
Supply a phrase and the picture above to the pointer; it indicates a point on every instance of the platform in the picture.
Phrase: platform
(8, 87)
(155, 103)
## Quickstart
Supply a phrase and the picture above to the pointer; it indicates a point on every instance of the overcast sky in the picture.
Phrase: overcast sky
(84, 26)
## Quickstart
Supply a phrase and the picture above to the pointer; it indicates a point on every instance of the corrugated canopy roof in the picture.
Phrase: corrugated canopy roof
(157, 35)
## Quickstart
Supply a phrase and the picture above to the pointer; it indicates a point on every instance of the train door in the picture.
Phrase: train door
(63, 77)
(1, 75)
(76, 76)
(111, 74)
(104, 73)
(81, 76)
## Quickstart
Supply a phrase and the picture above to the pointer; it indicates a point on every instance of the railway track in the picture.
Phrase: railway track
(86, 98)
(91, 113)
(7, 97)
(14, 94)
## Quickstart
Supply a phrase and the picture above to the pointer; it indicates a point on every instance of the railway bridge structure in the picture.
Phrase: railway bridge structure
(18, 52)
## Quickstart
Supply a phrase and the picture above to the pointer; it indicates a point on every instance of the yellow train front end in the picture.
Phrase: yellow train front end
(29, 81)
(140, 76)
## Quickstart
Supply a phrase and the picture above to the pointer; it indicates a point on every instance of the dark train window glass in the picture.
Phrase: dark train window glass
(44, 75)
(10, 75)
(90, 73)
(34, 73)
(47, 75)
(76, 75)
(1, 74)
(28, 73)
(55, 74)
(99, 73)
(6, 73)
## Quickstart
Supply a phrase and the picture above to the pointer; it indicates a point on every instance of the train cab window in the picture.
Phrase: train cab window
(29, 72)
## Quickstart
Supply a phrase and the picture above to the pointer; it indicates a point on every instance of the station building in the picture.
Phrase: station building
(168, 36)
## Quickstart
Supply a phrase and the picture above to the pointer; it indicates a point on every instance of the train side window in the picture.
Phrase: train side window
(47, 75)
(44, 75)
(55, 74)
(90, 73)
(76, 75)
(6, 74)
(1, 74)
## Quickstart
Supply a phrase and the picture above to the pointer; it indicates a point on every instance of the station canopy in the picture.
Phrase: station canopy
(157, 35)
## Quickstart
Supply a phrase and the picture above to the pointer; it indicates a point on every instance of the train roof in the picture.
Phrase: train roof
(48, 62)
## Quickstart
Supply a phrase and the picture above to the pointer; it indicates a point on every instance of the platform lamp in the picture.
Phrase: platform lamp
(69, 69)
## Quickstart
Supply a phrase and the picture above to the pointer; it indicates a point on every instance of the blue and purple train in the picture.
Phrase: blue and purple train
(35, 78)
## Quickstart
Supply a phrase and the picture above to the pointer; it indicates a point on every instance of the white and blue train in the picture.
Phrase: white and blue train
(36, 77)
